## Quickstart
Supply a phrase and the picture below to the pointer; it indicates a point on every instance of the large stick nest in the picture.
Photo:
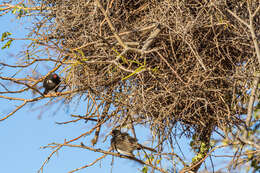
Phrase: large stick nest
(196, 71)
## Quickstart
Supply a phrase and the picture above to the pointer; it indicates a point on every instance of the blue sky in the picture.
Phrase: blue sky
(25, 132)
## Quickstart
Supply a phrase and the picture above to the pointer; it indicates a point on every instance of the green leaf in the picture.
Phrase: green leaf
(257, 114)
(4, 35)
(7, 44)
(155, 69)
(136, 62)
(158, 161)
(122, 57)
(21, 10)
(145, 169)
(81, 52)
(212, 142)
(136, 71)
(14, 10)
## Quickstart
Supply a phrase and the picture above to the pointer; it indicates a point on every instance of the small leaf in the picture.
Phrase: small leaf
(136, 71)
(81, 52)
(145, 169)
(191, 143)
(7, 44)
(200, 156)
(122, 57)
(154, 70)
(257, 114)
(84, 59)
(158, 161)
(212, 143)
(4, 35)
(225, 142)
(14, 10)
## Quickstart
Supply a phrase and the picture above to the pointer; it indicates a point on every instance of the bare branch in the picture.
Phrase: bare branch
(252, 100)
(151, 38)
(238, 18)
(111, 25)
(48, 158)
(105, 153)
(88, 165)
(14, 111)
(256, 11)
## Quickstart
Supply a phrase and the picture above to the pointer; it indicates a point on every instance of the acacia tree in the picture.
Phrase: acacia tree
(179, 68)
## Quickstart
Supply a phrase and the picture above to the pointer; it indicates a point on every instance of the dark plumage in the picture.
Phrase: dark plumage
(125, 144)
(51, 82)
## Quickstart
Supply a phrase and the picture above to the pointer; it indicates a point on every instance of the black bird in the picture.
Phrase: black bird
(125, 144)
(51, 82)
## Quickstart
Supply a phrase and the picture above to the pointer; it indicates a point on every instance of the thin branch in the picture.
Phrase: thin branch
(184, 170)
(17, 108)
(109, 37)
(254, 38)
(10, 6)
(252, 100)
(238, 18)
(107, 152)
(169, 65)
(18, 82)
(29, 64)
(256, 11)
(111, 25)
(196, 54)
(151, 38)
(88, 165)
(84, 117)
(33, 100)
(100, 119)
(49, 157)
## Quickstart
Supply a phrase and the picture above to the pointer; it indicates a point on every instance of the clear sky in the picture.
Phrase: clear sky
(25, 132)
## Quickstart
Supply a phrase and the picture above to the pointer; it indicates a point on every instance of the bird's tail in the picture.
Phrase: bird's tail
(147, 148)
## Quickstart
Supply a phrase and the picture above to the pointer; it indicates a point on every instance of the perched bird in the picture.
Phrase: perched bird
(51, 82)
(125, 144)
